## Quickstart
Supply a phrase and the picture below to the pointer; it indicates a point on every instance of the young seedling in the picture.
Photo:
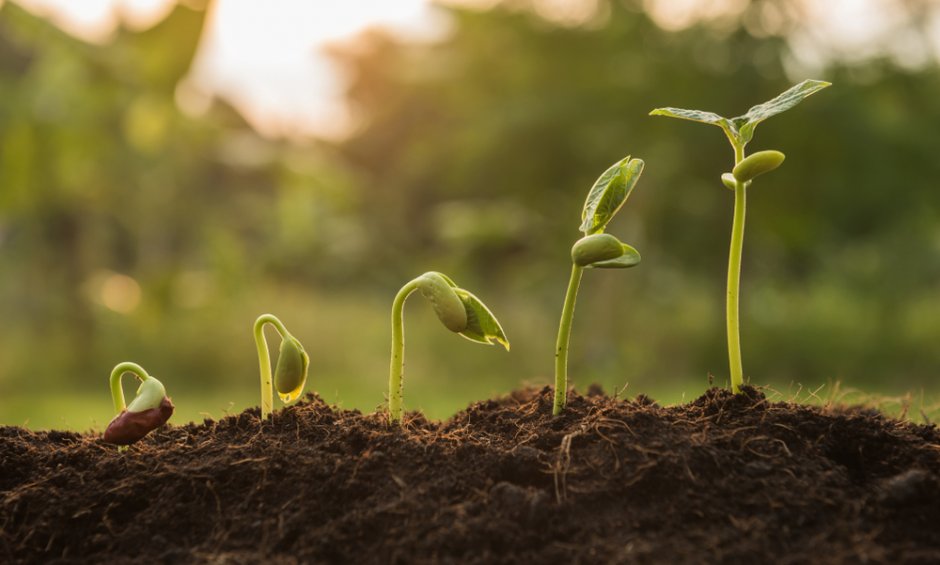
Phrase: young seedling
(290, 373)
(740, 131)
(149, 410)
(459, 311)
(596, 250)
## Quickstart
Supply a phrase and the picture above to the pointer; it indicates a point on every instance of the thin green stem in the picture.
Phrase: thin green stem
(264, 360)
(117, 392)
(734, 279)
(396, 369)
(561, 346)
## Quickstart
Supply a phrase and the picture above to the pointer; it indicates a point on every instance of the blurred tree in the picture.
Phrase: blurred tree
(117, 210)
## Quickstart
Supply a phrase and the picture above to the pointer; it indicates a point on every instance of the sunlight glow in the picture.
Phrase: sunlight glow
(96, 20)
(267, 58)
(116, 292)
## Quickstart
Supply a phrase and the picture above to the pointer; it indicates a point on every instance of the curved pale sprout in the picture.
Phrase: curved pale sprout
(290, 373)
(149, 409)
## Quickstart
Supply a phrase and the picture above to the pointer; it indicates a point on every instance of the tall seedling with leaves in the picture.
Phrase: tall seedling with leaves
(596, 250)
(740, 131)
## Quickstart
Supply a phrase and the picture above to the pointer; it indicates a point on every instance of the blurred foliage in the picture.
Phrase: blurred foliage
(130, 230)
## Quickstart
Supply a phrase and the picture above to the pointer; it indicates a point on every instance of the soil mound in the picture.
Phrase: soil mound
(723, 479)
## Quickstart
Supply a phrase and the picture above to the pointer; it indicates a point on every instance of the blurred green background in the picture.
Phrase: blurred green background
(130, 230)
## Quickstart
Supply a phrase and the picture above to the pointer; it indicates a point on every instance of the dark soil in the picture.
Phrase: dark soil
(723, 479)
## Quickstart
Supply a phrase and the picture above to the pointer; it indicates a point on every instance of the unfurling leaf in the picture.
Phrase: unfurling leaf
(482, 325)
(609, 193)
(757, 164)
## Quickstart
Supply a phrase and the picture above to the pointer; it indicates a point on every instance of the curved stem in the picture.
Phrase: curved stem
(397, 366)
(117, 393)
(561, 346)
(264, 360)
(734, 280)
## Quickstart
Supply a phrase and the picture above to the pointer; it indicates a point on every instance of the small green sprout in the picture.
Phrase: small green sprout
(290, 373)
(460, 311)
(149, 410)
(596, 250)
(740, 131)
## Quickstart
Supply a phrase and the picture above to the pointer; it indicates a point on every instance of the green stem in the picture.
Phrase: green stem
(561, 346)
(396, 369)
(117, 393)
(734, 279)
(264, 360)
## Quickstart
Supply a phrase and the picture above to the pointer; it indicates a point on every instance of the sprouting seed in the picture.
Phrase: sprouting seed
(290, 373)
(740, 131)
(460, 311)
(596, 250)
(150, 409)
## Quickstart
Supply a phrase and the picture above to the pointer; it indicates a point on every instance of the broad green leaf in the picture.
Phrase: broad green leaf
(740, 130)
(609, 193)
(699, 116)
(629, 258)
(482, 325)
(793, 96)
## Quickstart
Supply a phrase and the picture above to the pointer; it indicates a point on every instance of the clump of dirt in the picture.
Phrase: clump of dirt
(725, 478)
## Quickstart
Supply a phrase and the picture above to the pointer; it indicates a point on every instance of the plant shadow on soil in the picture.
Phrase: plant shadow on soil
(725, 478)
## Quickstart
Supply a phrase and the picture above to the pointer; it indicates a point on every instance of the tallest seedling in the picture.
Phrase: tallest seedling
(740, 131)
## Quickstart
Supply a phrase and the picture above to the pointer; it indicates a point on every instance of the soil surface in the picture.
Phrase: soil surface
(723, 479)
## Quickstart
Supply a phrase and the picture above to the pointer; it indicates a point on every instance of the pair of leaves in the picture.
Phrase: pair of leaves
(479, 325)
(740, 130)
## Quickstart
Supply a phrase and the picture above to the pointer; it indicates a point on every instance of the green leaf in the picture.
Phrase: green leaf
(482, 325)
(740, 130)
(699, 116)
(629, 258)
(793, 96)
(609, 193)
